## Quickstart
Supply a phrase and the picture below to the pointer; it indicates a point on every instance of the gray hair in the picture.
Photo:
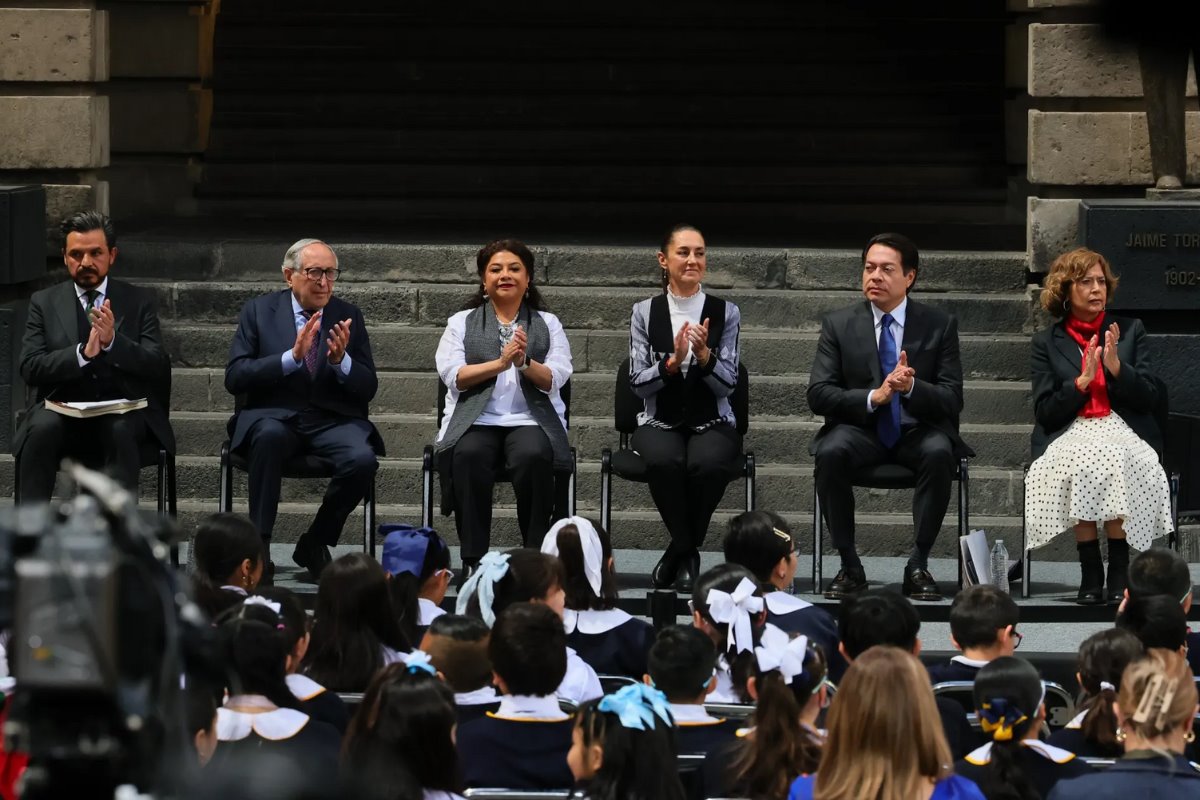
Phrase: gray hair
(291, 259)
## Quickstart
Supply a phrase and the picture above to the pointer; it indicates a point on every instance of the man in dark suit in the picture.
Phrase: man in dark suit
(91, 338)
(301, 365)
(888, 381)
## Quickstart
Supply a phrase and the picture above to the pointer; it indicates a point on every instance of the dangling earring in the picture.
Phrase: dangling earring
(1190, 736)
(1121, 735)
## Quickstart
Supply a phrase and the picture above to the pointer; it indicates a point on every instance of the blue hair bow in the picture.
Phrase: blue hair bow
(998, 717)
(636, 706)
(418, 661)
(492, 567)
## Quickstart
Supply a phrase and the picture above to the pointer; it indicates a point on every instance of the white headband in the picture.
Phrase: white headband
(492, 567)
(593, 553)
(779, 652)
(734, 610)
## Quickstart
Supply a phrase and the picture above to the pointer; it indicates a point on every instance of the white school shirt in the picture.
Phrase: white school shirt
(524, 706)
(581, 683)
(427, 611)
(506, 407)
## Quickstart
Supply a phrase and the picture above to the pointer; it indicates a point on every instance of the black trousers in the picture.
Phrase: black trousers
(342, 440)
(846, 448)
(113, 440)
(524, 452)
(688, 473)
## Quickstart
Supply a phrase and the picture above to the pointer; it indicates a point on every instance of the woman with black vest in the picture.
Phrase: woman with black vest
(504, 360)
(684, 364)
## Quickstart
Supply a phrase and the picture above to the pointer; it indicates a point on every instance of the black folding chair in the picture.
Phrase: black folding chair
(564, 482)
(628, 464)
(888, 476)
(1060, 706)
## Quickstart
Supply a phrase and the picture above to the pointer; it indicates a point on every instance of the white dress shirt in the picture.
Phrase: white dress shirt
(685, 309)
(899, 317)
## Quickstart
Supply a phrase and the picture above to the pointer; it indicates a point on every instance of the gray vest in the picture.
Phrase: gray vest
(481, 342)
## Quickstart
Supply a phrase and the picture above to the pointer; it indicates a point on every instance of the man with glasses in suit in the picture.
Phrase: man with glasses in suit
(301, 366)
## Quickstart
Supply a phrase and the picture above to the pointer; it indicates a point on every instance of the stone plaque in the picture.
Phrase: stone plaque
(1153, 245)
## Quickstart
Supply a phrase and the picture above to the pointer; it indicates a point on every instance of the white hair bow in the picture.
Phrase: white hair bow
(593, 552)
(778, 652)
(259, 600)
(734, 610)
(492, 567)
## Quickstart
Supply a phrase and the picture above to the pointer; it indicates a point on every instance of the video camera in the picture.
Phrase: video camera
(100, 639)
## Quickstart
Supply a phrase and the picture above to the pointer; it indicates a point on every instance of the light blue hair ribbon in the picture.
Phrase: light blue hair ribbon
(636, 706)
(492, 567)
(418, 661)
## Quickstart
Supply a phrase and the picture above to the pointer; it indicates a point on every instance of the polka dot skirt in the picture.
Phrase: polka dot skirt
(1097, 470)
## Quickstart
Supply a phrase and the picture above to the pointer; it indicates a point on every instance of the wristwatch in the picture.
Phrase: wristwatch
(524, 366)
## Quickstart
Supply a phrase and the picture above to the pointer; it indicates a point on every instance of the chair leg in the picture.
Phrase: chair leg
(606, 490)
(1177, 536)
(226, 488)
(572, 482)
(964, 525)
(427, 487)
(369, 520)
(1026, 559)
(817, 544)
(17, 481)
(751, 482)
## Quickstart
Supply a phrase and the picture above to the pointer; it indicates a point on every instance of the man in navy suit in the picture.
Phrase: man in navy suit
(301, 365)
(888, 380)
(91, 338)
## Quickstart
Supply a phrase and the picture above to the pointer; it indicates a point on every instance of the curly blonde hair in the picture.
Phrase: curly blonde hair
(1068, 268)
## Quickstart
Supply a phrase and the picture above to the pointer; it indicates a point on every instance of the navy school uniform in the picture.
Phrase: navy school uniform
(696, 731)
(1044, 765)
(476, 704)
(799, 617)
(318, 702)
(310, 745)
(959, 668)
(523, 745)
(959, 735)
(1193, 653)
(1071, 737)
(611, 641)
(1136, 778)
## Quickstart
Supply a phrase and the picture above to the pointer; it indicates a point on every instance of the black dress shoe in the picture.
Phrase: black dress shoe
(469, 566)
(268, 574)
(846, 583)
(920, 585)
(691, 569)
(667, 569)
(312, 555)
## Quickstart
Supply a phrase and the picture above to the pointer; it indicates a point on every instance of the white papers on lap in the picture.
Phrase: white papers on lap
(85, 409)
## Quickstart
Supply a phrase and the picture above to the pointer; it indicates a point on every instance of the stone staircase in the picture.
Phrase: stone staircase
(406, 292)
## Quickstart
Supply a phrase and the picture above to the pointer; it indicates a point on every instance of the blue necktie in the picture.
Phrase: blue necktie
(887, 423)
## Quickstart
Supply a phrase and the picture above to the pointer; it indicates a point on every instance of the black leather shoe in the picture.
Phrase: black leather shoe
(846, 583)
(469, 566)
(666, 570)
(312, 555)
(920, 585)
(691, 569)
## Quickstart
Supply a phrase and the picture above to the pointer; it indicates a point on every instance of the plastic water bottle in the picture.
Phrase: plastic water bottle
(1000, 566)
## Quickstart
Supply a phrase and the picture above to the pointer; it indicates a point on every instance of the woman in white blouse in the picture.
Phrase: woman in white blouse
(683, 363)
(504, 360)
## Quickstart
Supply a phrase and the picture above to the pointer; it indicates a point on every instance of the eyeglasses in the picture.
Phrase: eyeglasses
(449, 573)
(314, 274)
(1016, 635)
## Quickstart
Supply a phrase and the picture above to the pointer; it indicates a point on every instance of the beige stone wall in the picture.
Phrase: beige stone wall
(54, 119)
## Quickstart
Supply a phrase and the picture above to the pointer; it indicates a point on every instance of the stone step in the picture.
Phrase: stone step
(773, 440)
(876, 534)
(203, 389)
(985, 356)
(601, 308)
(147, 256)
(994, 492)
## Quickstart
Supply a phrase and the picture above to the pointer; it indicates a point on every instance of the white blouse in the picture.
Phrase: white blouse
(506, 407)
(685, 309)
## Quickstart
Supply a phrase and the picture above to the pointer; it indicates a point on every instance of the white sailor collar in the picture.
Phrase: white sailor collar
(977, 663)
(983, 755)
(304, 687)
(724, 693)
(235, 589)
(1076, 723)
(478, 697)
(690, 714)
(780, 603)
(529, 708)
(427, 611)
(276, 726)
(594, 622)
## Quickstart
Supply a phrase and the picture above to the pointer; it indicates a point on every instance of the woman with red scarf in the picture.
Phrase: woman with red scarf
(1095, 437)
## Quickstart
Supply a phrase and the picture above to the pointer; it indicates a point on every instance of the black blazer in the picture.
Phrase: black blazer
(140, 367)
(1056, 364)
(266, 328)
(846, 370)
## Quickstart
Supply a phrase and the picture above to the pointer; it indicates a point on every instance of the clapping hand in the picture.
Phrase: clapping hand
(305, 337)
(1112, 362)
(682, 343)
(101, 335)
(521, 340)
(698, 339)
(1091, 360)
(339, 337)
(901, 378)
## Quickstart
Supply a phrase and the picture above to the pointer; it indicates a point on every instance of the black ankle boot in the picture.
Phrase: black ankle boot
(1091, 584)
(1118, 570)
(691, 569)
